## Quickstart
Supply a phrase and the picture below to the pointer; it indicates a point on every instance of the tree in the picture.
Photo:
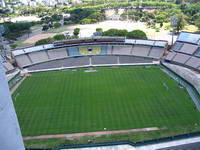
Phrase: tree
(115, 32)
(56, 17)
(99, 30)
(76, 31)
(44, 41)
(57, 25)
(137, 34)
(180, 23)
(45, 27)
(14, 30)
(13, 46)
(59, 37)
(197, 23)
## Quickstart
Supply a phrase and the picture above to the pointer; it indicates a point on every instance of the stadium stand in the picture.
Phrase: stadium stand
(132, 59)
(96, 60)
(188, 48)
(76, 61)
(177, 46)
(8, 66)
(23, 60)
(156, 52)
(61, 63)
(57, 54)
(141, 50)
(90, 50)
(104, 49)
(193, 62)
(197, 53)
(122, 50)
(73, 51)
(109, 49)
(88, 46)
(186, 51)
(37, 57)
(170, 56)
(181, 58)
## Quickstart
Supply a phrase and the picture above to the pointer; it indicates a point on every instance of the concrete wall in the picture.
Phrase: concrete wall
(189, 75)
(10, 134)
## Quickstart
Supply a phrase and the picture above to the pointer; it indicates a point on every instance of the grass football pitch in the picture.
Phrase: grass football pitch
(115, 98)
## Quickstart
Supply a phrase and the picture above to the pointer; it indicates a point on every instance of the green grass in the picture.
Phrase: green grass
(114, 98)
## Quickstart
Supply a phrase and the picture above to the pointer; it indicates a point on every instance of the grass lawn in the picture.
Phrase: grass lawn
(115, 98)
(21, 43)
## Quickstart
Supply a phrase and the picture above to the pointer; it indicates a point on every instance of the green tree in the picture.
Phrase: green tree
(115, 32)
(181, 22)
(197, 23)
(59, 37)
(44, 41)
(99, 30)
(57, 25)
(137, 34)
(76, 31)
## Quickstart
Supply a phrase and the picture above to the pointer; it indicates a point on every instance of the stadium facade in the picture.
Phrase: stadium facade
(10, 134)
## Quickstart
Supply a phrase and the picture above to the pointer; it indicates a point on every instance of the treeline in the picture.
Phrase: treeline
(85, 16)
(135, 34)
(14, 30)
(108, 5)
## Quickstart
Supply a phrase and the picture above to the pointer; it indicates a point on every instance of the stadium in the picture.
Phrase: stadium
(107, 89)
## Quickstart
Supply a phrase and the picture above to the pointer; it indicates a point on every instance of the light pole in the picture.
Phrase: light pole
(174, 21)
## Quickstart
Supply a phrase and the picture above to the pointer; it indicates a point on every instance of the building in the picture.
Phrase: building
(10, 134)
(2, 3)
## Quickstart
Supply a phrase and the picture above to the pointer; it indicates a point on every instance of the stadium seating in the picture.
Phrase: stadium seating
(104, 49)
(96, 60)
(67, 62)
(181, 58)
(186, 51)
(23, 60)
(141, 50)
(156, 52)
(60, 50)
(132, 59)
(122, 50)
(197, 53)
(177, 46)
(73, 51)
(170, 56)
(77, 61)
(193, 62)
(8, 66)
(37, 57)
(109, 49)
(188, 48)
(57, 53)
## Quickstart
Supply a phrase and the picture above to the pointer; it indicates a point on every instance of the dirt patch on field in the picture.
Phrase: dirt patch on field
(28, 75)
(35, 38)
(98, 133)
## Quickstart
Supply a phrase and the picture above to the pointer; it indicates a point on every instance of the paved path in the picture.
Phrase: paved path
(98, 133)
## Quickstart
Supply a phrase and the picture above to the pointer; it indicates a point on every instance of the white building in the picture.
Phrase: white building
(10, 134)
(2, 3)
